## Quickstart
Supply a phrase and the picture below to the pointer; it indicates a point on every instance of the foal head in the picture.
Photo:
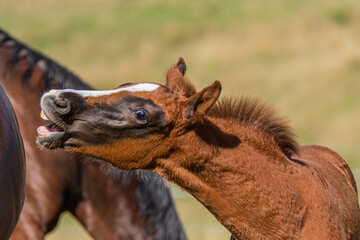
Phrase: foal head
(129, 126)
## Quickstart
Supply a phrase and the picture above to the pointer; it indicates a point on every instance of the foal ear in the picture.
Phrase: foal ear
(174, 77)
(200, 103)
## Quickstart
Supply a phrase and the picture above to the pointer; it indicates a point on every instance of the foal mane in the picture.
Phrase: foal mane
(261, 116)
(50, 69)
(255, 113)
(189, 88)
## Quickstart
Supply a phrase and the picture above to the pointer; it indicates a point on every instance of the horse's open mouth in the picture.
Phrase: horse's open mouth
(50, 135)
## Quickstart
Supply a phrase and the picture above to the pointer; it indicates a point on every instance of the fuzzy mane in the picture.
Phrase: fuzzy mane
(260, 115)
(256, 113)
(51, 70)
(189, 88)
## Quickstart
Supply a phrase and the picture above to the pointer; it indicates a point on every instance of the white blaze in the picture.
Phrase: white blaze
(140, 87)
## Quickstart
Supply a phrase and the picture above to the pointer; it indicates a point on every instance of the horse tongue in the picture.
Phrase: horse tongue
(56, 128)
(45, 131)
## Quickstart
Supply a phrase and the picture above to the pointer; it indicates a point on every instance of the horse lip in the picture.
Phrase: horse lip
(53, 141)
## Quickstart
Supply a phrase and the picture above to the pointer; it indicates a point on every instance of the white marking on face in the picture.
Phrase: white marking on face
(140, 87)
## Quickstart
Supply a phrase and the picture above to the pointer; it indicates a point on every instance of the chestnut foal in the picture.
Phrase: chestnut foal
(238, 158)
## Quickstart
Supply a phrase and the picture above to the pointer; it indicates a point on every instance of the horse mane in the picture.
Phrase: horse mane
(189, 88)
(261, 116)
(256, 113)
(51, 70)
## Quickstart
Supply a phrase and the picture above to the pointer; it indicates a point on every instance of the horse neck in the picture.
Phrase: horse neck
(31, 71)
(20, 95)
(223, 165)
(13, 75)
(25, 97)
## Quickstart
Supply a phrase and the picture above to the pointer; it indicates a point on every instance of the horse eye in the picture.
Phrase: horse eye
(141, 115)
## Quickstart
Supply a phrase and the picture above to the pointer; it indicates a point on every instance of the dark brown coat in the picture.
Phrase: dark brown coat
(12, 168)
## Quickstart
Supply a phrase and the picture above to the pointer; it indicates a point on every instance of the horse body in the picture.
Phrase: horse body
(12, 168)
(109, 203)
(239, 159)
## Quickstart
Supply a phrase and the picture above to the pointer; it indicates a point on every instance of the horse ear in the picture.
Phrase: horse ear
(174, 77)
(200, 103)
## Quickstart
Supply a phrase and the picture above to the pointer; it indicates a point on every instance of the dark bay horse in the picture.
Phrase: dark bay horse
(237, 157)
(109, 203)
(12, 168)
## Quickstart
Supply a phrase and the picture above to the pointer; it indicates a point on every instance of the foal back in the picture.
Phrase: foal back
(331, 188)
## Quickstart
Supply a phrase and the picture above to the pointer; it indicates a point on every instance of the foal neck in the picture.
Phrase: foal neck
(224, 166)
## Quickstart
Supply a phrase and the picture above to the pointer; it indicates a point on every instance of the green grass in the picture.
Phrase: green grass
(301, 56)
(68, 228)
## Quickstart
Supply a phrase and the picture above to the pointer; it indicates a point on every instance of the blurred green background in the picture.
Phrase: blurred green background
(302, 56)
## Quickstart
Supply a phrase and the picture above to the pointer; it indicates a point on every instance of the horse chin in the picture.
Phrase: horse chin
(52, 142)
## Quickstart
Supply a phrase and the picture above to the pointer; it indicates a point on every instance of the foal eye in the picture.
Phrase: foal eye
(141, 115)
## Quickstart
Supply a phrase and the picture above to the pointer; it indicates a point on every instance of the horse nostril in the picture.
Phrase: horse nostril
(60, 103)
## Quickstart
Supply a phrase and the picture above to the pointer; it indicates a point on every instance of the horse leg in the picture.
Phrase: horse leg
(31, 224)
(40, 213)
(92, 221)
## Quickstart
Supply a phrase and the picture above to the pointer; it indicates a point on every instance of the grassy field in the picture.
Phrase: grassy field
(302, 56)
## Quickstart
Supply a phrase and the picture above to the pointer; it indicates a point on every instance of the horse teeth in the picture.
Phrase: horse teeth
(43, 116)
